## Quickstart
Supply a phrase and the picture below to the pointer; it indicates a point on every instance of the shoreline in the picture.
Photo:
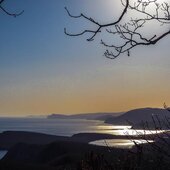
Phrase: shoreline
(9, 138)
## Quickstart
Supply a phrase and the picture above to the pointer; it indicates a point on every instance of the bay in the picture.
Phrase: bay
(69, 127)
(62, 127)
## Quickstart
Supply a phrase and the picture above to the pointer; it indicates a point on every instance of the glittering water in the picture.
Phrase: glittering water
(68, 127)
(119, 143)
(63, 127)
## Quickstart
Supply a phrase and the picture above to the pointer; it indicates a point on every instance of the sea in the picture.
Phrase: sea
(69, 127)
(61, 127)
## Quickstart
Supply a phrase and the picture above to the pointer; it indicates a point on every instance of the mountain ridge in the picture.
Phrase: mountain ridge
(88, 116)
(137, 116)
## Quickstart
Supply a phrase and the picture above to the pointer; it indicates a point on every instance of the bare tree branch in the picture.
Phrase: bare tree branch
(99, 25)
(7, 12)
(132, 31)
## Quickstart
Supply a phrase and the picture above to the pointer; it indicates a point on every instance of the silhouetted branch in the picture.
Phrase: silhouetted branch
(131, 32)
(7, 12)
(99, 25)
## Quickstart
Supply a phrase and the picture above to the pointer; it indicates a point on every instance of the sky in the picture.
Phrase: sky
(43, 71)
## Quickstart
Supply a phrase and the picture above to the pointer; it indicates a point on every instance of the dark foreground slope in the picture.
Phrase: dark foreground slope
(51, 153)
(28, 150)
(81, 156)
(10, 138)
(59, 155)
(74, 153)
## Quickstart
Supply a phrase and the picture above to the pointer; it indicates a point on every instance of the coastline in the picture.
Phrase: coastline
(10, 138)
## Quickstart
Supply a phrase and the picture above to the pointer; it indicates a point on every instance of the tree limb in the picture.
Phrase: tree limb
(131, 32)
(7, 12)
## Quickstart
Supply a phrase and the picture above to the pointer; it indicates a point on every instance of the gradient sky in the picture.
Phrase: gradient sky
(43, 71)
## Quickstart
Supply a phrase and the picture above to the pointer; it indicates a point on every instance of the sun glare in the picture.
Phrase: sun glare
(148, 5)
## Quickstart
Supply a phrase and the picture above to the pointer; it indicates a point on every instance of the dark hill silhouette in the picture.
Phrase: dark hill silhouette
(10, 138)
(55, 154)
(137, 116)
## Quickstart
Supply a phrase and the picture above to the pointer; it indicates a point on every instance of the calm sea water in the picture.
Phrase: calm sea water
(68, 127)
(63, 127)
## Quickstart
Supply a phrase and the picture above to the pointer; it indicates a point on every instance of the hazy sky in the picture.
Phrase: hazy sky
(43, 71)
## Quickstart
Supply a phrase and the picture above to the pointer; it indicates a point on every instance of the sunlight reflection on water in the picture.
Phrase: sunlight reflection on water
(126, 130)
(70, 127)
(119, 143)
(66, 127)
(133, 132)
(112, 127)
